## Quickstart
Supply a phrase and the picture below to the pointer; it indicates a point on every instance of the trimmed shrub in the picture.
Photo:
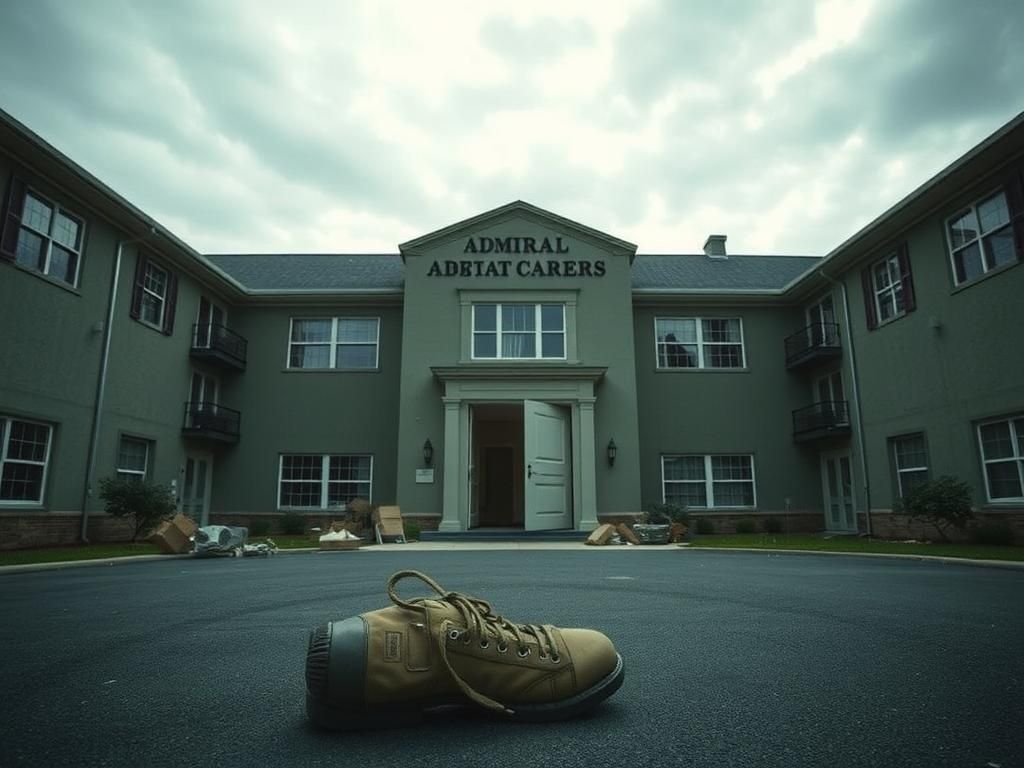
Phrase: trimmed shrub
(666, 514)
(293, 524)
(944, 502)
(746, 525)
(993, 533)
(704, 526)
(772, 525)
(146, 503)
(412, 530)
(259, 526)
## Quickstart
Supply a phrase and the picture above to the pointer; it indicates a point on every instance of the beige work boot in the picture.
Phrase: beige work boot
(387, 666)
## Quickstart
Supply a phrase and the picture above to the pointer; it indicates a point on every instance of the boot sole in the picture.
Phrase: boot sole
(338, 719)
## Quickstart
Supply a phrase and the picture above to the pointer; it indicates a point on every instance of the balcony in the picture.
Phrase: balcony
(218, 344)
(821, 420)
(813, 344)
(210, 421)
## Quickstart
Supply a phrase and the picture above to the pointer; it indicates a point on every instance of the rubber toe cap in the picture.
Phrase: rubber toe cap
(593, 656)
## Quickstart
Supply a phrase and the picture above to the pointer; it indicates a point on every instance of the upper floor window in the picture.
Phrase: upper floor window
(133, 458)
(155, 295)
(41, 235)
(518, 331)
(693, 342)
(323, 482)
(910, 458)
(335, 342)
(888, 288)
(1002, 454)
(708, 482)
(24, 455)
(981, 238)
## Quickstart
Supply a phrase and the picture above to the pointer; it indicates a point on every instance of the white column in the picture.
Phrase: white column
(452, 479)
(588, 468)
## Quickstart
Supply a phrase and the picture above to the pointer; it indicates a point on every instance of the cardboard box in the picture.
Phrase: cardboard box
(600, 535)
(174, 536)
(389, 523)
(627, 533)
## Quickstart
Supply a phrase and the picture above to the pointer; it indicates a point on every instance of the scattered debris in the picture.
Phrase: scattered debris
(262, 548)
(600, 535)
(340, 540)
(227, 540)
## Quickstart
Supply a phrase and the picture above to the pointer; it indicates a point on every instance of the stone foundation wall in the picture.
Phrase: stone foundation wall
(725, 522)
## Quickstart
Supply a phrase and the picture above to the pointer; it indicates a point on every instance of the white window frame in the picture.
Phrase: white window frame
(701, 344)
(538, 332)
(5, 425)
(893, 289)
(125, 472)
(48, 238)
(981, 236)
(325, 481)
(900, 471)
(1017, 457)
(154, 296)
(709, 481)
(333, 344)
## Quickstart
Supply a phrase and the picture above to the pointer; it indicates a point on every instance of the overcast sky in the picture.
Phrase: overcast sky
(347, 126)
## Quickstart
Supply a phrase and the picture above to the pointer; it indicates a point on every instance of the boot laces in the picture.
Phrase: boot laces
(482, 624)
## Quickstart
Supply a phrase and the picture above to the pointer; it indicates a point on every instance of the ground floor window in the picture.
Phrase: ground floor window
(910, 458)
(316, 481)
(1002, 454)
(24, 455)
(708, 482)
(133, 458)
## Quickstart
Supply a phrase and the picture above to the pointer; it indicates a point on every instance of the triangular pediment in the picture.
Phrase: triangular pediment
(522, 211)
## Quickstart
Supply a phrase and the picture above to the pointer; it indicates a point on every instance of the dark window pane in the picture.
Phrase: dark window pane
(552, 345)
(1004, 479)
(485, 317)
(518, 345)
(551, 317)
(963, 230)
(999, 248)
(356, 356)
(968, 263)
(310, 356)
(485, 345)
(27, 441)
(995, 440)
(31, 249)
(21, 482)
(357, 330)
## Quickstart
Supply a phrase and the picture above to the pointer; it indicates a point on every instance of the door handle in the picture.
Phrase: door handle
(529, 470)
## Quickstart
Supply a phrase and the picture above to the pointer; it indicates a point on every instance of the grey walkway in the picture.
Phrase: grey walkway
(732, 660)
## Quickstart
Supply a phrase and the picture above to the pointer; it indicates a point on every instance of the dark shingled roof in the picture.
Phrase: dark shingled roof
(357, 272)
(732, 273)
(313, 271)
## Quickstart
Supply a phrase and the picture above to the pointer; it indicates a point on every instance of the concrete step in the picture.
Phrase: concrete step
(503, 534)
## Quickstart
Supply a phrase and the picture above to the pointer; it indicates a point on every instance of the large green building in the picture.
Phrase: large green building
(514, 370)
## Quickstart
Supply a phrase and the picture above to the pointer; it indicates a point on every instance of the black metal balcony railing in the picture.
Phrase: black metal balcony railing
(218, 343)
(819, 341)
(211, 421)
(825, 419)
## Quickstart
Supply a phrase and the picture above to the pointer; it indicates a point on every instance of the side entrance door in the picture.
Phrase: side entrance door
(195, 488)
(837, 485)
(548, 467)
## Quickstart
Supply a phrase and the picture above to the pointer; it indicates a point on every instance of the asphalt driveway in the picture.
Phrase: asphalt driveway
(732, 659)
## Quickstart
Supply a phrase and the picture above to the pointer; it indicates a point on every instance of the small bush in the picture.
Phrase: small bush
(412, 530)
(293, 524)
(146, 503)
(993, 533)
(944, 502)
(746, 525)
(259, 526)
(666, 514)
(705, 527)
(772, 525)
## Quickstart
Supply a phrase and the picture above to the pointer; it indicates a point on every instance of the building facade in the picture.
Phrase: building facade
(513, 370)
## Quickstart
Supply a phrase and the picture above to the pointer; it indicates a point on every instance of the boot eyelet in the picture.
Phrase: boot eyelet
(555, 658)
(453, 634)
(502, 647)
(523, 652)
(484, 644)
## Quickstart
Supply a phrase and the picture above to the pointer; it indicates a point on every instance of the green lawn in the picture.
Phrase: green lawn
(856, 544)
(76, 552)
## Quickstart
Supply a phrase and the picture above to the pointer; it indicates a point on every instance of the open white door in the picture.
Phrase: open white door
(548, 467)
